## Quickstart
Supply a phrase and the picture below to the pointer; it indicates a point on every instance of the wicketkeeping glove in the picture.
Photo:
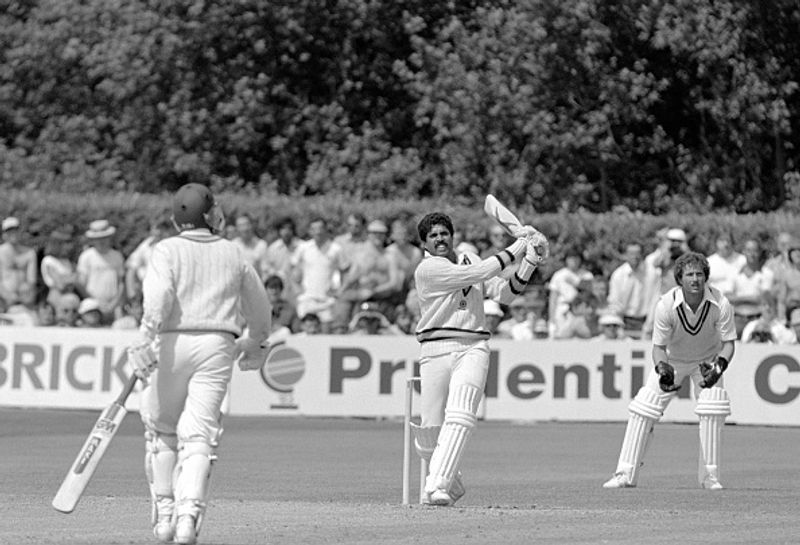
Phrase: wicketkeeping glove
(712, 371)
(142, 357)
(666, 377)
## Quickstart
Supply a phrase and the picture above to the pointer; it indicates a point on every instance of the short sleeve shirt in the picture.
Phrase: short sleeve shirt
(692, 337)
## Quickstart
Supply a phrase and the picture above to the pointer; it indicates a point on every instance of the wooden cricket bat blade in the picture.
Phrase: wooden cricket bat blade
(85, 464)
(501, 214)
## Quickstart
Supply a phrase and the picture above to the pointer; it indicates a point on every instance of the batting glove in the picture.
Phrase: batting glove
(142, 357)
(712, 371)
(666, 377)
(523, 231)
(250, 354)
(538, 249)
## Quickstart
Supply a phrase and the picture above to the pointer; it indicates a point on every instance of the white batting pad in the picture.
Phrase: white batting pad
(713, 406)
(645, 410)
(425, 439)
(191, 478)
(459, 421)
(161, 455)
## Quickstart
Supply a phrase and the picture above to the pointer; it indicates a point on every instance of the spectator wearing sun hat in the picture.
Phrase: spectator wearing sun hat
(612, 328)
(493, 315)
(101, 270)
(89, 314)
(18, 266)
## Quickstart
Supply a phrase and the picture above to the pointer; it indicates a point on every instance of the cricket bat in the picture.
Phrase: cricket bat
(501, 214)
(92, 451)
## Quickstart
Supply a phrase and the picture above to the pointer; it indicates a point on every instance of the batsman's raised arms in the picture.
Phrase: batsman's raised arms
(514, 227)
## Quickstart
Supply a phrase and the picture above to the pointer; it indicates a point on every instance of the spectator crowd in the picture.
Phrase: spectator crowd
(360, 280)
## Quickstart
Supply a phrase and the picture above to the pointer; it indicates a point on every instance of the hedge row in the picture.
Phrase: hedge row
(599, 237)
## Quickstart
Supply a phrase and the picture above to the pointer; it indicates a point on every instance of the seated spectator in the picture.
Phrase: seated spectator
(518, 325)
(89, 313)
(540, 329)
(67, 310)
(405, 320)
(493, 315)
(284, 313)
(131, 315)
(563, 285)
(45, 314)
(788, 286)
(611, 328)
(369, 321)
(579, 321)
(16, 315)
(794, 323)
(310, 324)
(768, 327)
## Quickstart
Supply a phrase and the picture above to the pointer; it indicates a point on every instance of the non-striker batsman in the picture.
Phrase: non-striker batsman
(693, 336)
(199, 294)
(454, 352)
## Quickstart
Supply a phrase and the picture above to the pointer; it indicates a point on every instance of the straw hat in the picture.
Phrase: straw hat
(100, 229)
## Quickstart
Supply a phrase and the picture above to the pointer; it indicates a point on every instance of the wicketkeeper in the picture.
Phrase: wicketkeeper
(693, 336)
(199, 291)
(454, 357)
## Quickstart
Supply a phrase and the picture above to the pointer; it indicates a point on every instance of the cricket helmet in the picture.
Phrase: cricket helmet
(191, 207)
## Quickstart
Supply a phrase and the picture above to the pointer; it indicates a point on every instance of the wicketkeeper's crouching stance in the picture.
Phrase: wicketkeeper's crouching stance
(693, 335)
(198, 292)
(454, 349)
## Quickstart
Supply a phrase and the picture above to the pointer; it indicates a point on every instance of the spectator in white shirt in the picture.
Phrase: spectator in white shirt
(255, 248)
(767, 328)
(725, 264)
(630, 289)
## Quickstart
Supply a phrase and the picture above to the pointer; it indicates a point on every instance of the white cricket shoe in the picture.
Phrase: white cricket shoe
(185, 531)
(163, 529)
(712, 483)
(619, 480)
(441, 497)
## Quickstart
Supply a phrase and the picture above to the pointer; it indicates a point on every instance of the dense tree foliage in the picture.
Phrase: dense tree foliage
(685, 105)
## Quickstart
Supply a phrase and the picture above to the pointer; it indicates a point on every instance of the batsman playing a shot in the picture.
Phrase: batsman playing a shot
(454, 358)
(693, 335)
(199, 292)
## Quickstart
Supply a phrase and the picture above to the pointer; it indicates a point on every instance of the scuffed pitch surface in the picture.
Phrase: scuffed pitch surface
(324, 481)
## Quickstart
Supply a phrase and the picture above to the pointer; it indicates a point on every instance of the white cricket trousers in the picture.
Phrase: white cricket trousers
(185, 393)
(445, 372)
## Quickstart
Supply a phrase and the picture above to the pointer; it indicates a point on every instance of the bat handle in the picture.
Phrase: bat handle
(126, 391)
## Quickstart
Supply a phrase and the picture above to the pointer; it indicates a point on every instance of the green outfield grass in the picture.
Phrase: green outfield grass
(325, 481)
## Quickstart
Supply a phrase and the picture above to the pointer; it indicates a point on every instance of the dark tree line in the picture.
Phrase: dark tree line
(554, 104)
